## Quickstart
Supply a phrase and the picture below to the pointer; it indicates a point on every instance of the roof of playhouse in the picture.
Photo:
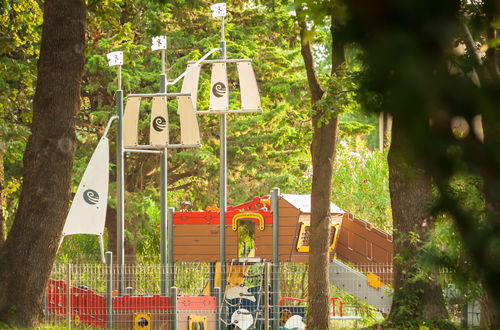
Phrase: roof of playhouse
(303, 203)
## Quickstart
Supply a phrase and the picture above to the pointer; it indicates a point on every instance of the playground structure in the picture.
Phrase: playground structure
(235, 298)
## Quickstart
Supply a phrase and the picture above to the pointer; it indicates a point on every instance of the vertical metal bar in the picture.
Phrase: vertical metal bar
(68, 295)
(223, 187)
(266, 295)
(211, 275)
(163, 199)
(217, 308)
(45, 307)
(109, 290)
(275, 279)
(170, 246)
(120, 184)
(173, 304)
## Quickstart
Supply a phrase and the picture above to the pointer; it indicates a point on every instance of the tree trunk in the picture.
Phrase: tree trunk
(2, 197)
(29, 252)
(323, 148)
(411, 195)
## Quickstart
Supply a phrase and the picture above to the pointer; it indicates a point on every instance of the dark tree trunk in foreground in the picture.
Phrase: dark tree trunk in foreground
(27, 256)
(2, 196)
(411, 196)
(323, 148)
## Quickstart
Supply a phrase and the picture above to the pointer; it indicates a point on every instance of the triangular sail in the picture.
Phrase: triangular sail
(219, 89)
(131, 122)
(250, 97)
(190, 82)
(158, 131)
(88, 210)
(190, 131)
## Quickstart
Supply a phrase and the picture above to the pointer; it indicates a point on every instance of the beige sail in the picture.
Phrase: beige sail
(190, 83)
(131, 122)
(190, 131)
(250, 97)
(219, 89)
(158, 128)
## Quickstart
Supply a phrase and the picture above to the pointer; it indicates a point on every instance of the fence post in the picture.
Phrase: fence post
(68, 295)
(173, 308)
(266, 295)
(275, 275)
(109, 290)
(217, 308)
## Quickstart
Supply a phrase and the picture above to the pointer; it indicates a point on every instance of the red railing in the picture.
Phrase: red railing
(332, 299)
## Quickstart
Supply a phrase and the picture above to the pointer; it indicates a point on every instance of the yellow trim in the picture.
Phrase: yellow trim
(77, 320)
(139, 316)
(305, 248)
(195, 319)
(248, 215)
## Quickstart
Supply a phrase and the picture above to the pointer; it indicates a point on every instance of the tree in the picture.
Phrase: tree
(409, 54)
(29, 252)
(417, 295)
(323, 146)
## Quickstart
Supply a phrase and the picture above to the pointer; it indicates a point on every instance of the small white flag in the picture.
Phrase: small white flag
(218, 10)
(115, 58)
(159, 42)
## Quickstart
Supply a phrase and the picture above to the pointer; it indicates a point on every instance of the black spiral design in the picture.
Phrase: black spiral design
(91, 196)
(219, 89)
(159, 123)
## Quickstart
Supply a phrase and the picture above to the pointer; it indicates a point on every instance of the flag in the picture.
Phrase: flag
(159, 42)
(218, 10)
(115, 58)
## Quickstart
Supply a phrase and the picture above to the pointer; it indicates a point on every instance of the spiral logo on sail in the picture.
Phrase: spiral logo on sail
(159, 123)
(91, 196)
(219, 89)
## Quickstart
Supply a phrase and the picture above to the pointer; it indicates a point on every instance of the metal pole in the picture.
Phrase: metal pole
(120, 183)
(163, 249)
(275, 275)
(223, 193)
(163, 195)
(170, 246)
(223, 190)
(173, 304)
(217, 307)
(68, 295)
(266, 295)
(109, 290)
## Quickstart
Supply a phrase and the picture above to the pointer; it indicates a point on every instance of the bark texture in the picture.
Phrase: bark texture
(29, 252)
(2, 196)
(323, 149)
(411, 196)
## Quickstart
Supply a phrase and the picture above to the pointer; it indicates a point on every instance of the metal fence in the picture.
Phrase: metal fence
(87, 295)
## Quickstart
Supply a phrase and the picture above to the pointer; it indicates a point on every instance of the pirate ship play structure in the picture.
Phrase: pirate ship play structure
(281, 223)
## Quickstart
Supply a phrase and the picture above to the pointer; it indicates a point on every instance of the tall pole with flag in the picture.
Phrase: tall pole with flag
(219, 10)
(160, 43)
(116, 59)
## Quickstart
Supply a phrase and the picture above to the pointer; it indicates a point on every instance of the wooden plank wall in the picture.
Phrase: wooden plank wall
(201, 243)
(363, 245)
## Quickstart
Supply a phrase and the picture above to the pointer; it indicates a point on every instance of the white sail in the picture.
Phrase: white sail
(250, 97)
(190, 82)
(131, 122)
(190, 131)
(158, 130)
(219, 89)
(88, 210)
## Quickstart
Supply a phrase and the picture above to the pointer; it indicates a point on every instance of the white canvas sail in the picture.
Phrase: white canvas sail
(250, 97)
(88, 210)
(219, 89)
(158, 129)
(190, 131)
(131, 122)
(191, 81)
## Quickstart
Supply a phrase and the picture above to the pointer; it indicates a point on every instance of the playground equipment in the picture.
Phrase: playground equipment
(281, 222)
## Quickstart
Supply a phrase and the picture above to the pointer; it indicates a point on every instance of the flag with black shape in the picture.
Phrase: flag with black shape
(115, 58)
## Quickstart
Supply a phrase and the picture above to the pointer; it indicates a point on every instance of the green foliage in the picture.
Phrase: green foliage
(361, 181)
